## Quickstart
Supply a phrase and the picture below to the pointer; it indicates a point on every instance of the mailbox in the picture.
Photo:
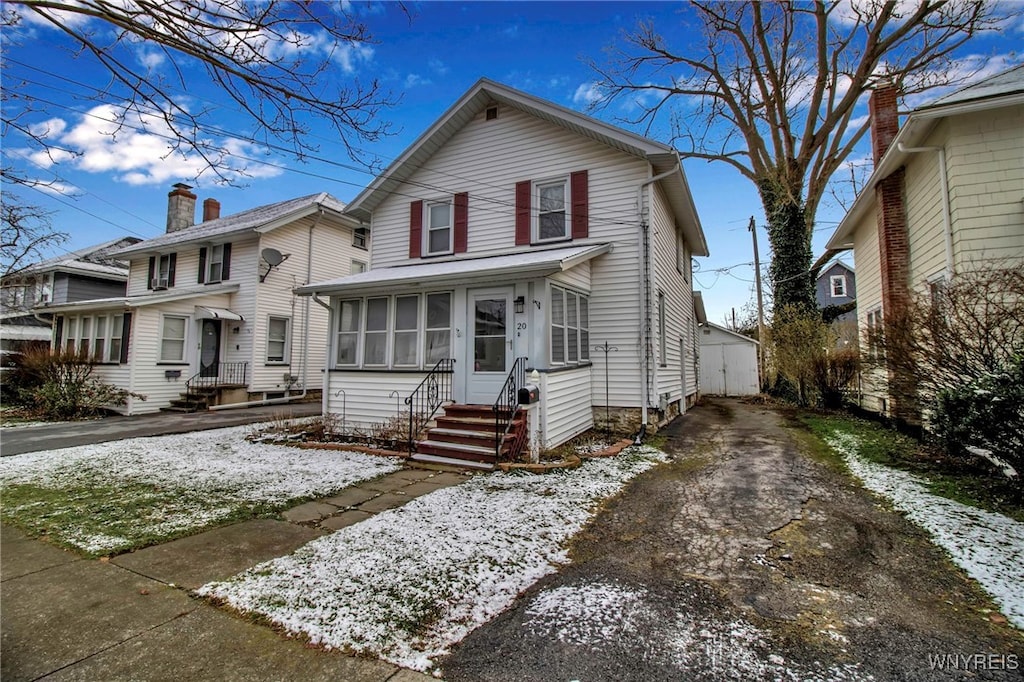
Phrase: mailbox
(529, 394)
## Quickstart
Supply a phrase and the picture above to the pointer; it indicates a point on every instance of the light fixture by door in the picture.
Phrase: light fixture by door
(273, 258)
(520, 303)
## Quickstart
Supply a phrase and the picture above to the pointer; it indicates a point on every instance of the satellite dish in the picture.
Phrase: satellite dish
(272, 256)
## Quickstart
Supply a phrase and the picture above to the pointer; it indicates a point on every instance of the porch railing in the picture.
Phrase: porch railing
(433, 391)
(507, 405)
(227, 374)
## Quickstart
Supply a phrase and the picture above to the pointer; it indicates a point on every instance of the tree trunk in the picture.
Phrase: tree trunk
(790, 238)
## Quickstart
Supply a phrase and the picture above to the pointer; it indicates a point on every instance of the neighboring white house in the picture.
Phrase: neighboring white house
(513, 238)
(728, 362)
(946, 196)
(75, 276)
(210, 316)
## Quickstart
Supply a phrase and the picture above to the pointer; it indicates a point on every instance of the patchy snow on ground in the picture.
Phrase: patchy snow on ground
(408, 583)
(628, 620)
(178, 483)
(989, 546)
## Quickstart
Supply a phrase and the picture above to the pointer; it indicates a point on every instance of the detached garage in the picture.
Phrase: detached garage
(728, 362)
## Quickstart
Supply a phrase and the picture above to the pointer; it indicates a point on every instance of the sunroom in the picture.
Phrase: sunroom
(467, 332)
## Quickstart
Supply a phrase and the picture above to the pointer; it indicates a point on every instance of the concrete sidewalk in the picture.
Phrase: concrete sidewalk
(16, 441)
(132, 617)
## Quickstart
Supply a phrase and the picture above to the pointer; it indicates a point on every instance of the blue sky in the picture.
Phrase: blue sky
(119, 187)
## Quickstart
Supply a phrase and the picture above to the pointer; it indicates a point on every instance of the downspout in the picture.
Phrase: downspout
(325, 380)
(645, 302)
(305, 338)
(947, 219)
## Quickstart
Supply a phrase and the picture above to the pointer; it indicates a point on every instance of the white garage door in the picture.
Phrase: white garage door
(728, 369)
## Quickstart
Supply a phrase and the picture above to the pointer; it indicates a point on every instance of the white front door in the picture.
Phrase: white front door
(489, 349)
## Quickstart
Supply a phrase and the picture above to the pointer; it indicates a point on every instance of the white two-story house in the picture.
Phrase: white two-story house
(512, 241)
(210, 317)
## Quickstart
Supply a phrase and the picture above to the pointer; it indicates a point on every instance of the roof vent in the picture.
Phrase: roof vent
(492, 113)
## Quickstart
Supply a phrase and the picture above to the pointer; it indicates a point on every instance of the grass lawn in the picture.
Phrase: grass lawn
(972, 482)
(114, 497)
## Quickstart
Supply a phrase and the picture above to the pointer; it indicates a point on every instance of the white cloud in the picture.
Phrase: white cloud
(438, 67)
(414, 79)
(587, 94)
(36, 16)
(350, 55)
(141, 151)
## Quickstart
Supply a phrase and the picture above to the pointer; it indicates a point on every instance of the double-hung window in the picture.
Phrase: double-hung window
(438, 338)
(348, 333)
(360, 237)
(70, 329)
(375, 339)
(570, 327)
(99, 345)
(84, 338)
(552, 217)
(407, 326)
(277, 339)
(838, 284)
(116, 340)
(216, 264)
(439, 228)
(874, 332)
(172, 338)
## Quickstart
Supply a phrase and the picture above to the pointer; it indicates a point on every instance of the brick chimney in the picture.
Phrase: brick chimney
(181, 208)
(893, 247)
(211, 209)
(885, 121)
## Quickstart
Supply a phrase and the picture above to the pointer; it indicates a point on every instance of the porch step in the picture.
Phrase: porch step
(457, 451)
(470, 411)
(435, 459)
(464, 436)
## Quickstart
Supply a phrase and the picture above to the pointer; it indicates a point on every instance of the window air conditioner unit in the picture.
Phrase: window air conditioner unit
(158, 283)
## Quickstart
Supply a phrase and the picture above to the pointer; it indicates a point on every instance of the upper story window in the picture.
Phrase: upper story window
(358, 266)
(361, 237)
(552, 218)
(838, 285)
(162, 271)
(439, 228)
(214, 263)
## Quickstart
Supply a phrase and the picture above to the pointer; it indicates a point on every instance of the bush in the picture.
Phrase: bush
(806, 359)
(60, 385)
(986, 413)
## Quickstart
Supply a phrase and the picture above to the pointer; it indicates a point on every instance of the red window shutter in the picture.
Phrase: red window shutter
(524, 191)
(579, 187)
(415, 228)
(461, 222)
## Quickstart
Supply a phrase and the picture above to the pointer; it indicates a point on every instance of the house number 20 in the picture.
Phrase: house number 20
(520, 326)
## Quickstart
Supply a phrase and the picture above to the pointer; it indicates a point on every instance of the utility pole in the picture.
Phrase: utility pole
(760, 304)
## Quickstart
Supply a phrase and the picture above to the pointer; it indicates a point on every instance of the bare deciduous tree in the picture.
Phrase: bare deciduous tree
(280, 62)
(771, 89)
(25, 234)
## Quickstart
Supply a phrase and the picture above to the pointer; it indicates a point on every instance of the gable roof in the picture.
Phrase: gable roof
(486, 93)
(259, 219)
(91, 261)
(829, 269)
(737, 335)
(1004, 89)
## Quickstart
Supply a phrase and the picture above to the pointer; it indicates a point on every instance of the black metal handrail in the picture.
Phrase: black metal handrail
(507, 404)
(433, 391)
(225, 374)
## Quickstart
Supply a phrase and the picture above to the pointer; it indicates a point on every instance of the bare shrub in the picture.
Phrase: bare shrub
(62, 385)
(804, 353)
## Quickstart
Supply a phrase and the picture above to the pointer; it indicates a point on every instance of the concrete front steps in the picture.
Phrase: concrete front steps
(464, 436)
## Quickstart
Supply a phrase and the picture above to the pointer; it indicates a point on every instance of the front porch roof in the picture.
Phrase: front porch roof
(130, 302)
(527, 265)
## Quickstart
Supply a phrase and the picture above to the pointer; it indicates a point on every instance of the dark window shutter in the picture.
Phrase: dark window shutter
(172, 262)
(202, 264)
(152, 272)
(126, 330)
(415, 229)
(225, 268)
(461, 222)
(523, 192)
(58, 331)
(579, 187)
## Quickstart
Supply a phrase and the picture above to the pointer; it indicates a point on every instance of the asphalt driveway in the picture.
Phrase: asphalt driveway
(745, 558)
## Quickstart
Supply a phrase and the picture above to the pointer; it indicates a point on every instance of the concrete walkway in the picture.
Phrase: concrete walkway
(16, 441)
(132, 617)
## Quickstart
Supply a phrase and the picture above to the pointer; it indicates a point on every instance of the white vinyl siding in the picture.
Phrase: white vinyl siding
(567, 410)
